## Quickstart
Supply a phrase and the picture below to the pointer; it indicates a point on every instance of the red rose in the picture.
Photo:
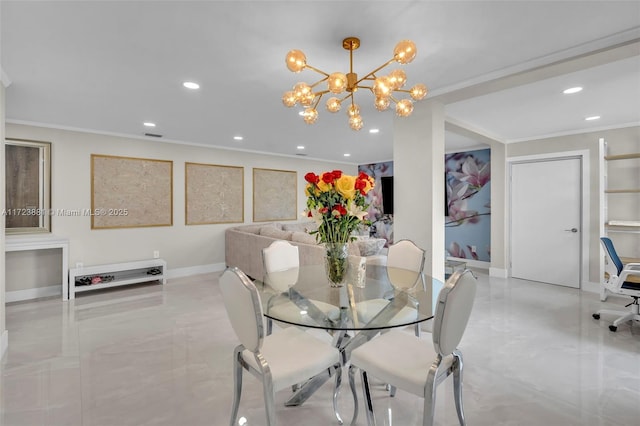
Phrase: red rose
(360, 184)
(337, 174)
(340, 210)
(312, 178)
(327, 177)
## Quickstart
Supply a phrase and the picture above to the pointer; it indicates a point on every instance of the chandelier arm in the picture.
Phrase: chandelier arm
(346, 97)
(318, 82)
(366, 87)
(376, 70)
(319, 96)
(402, 90)
(316, 70)
(393, 99)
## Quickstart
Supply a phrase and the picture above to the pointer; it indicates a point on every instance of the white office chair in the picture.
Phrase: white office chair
(281, 360)
(409, 363)
(404, 255)
(281, 262)
(616, 282)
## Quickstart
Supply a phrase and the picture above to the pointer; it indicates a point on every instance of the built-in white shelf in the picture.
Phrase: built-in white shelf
(99, 277)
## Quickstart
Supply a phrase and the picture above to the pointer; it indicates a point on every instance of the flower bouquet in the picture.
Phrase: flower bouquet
(337, 203)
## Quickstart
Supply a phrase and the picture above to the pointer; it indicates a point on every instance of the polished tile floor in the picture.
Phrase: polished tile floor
(154, 355)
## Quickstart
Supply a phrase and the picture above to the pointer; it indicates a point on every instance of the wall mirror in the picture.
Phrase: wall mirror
(28, 186)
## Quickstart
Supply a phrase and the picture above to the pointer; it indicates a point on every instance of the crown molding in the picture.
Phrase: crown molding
(616, 47)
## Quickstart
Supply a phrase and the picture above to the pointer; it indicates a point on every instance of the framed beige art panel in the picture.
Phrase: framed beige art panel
(274, 195)
(213, 194)
(130, 192)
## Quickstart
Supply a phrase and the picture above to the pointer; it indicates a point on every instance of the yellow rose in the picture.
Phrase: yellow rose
(308, 189)
(324, 187)
(346, 186)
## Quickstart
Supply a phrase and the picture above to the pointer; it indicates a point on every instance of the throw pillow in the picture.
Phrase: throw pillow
(293, 227)
(303, 237)
(273, 232)
(300, 227)
(370, 246)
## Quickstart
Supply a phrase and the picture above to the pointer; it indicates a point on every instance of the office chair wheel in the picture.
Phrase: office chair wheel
(596, 316)
(613, 328)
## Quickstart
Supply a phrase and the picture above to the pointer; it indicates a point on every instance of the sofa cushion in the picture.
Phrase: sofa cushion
(300, 227)
(370, 246)
(273, 232)
(303, 237)
(252, 229)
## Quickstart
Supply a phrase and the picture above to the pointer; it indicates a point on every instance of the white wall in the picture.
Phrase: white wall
(3, 328)
(183, 247)
(4, 336)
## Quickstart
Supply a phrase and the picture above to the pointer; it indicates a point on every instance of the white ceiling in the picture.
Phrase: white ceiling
(108, 66)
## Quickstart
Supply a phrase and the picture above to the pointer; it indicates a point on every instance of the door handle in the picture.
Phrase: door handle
(574, 230)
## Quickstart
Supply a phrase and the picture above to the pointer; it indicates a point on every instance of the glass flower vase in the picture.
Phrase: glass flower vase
(335, 262)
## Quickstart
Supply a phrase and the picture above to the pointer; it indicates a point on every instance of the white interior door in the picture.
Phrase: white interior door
(546, 221)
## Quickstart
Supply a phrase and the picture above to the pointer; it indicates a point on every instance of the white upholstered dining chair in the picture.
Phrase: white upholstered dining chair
(411, 364)
(280, 360)
(403, 256)
(281, 262)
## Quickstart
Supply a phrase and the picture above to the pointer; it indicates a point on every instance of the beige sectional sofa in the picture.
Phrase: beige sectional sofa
(244, 244)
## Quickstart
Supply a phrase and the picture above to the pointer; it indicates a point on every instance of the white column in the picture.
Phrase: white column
(418, 164)
(499, 222)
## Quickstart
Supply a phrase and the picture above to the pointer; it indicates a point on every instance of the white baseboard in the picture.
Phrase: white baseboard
(479, 264)
(33, 293)
(38, 292)
(195, 270)
(498, 272)
(4, 343)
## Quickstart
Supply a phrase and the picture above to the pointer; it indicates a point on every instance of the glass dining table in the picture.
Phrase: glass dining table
(351, 314)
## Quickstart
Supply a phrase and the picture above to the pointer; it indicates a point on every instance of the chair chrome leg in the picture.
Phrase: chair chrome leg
(237, 386)
(371, 418)
(457, 386)
(336, 391)
(352, 385)
(269, 326)
(269, 402)
(430, 397)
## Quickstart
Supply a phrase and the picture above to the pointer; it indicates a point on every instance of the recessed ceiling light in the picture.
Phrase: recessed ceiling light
(572, 90)
(300, 147)
(347, 155)
(374, 130)
(191, 85)
(149, 124)
(238, 138)
(593, 117)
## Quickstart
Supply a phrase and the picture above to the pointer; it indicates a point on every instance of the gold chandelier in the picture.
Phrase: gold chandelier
(382, 87)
